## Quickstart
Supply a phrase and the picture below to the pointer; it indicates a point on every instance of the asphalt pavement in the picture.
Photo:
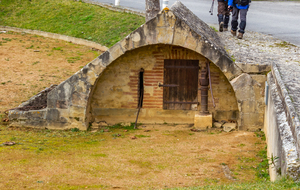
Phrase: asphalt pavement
(279, 19)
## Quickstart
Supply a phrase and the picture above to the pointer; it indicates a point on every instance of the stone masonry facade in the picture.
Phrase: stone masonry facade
(69, 104)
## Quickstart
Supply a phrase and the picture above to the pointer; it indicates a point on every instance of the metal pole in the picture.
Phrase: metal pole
(204, 82)
(165, 4)
(117, 2)
(210, 86)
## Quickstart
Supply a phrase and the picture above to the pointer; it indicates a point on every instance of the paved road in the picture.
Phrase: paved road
(279, 19)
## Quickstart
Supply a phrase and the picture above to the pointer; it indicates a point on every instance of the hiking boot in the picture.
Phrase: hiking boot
(240, 35)
(233, 32)
(221, 25)
(225, 29)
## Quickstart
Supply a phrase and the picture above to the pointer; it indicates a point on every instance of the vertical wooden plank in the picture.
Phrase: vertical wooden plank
(165, 90)
(194, 85)
(181, 85)
(184, 81)
(189, 78)
(174, 81)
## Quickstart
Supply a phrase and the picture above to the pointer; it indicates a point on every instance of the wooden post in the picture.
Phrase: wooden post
(152, 8)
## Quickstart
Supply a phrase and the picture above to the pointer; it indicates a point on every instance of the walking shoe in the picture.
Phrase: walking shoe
(233, 32)
(240, 35)
(221, 25)
(225, 29)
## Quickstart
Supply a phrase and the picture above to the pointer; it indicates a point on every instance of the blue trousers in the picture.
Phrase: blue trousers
(235, 16)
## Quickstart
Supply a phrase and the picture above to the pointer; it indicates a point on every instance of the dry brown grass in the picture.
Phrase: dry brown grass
(29, 64)
(166, 156)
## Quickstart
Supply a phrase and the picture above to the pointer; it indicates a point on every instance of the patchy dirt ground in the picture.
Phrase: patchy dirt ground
(161, 156)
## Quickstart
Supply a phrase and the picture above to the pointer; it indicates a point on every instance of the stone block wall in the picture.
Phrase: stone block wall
(249, 91)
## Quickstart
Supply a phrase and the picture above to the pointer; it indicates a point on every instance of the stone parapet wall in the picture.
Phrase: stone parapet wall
(290, 109)
(281, 128)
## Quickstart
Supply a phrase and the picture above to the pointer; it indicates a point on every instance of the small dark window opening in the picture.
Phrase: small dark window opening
(141, 88)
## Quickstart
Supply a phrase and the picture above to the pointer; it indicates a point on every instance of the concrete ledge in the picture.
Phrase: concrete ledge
(116, 8)
(57, 36)
(281, 143)
(289, 109)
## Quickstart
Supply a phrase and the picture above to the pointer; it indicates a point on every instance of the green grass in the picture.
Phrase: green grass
(48, 140)
(70, 18)
(214, 29)
(278, 185)
(69, 147)
(283, 44)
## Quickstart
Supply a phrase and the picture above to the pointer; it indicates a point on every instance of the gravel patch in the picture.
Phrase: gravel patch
(261, 49)
(257, 48)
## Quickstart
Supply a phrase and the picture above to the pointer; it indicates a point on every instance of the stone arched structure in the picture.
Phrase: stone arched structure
(68, 104)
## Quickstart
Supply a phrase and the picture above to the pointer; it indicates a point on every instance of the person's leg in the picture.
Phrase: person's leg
(234, 21)
(243, 15)
(226, 17)
(221, 13)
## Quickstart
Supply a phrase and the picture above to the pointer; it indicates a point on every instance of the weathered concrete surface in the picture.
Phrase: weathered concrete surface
(287, 82)
(203, 121)
(283, 146)
(254, 68)
(249, 93)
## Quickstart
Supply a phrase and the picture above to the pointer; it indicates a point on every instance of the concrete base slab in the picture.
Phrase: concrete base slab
(203, 121)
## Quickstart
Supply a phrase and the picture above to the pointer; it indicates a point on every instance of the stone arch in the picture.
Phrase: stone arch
(117, 76)
(68, 103)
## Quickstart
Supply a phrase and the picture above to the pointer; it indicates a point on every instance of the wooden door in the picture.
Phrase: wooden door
(180, 84)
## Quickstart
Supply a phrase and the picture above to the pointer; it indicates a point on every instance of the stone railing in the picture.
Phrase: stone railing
(282, 124)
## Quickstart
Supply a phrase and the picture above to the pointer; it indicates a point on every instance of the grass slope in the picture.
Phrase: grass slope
(279, 185)
(70, 18)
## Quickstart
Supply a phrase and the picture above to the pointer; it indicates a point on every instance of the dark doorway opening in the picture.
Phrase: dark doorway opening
(141, 88)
